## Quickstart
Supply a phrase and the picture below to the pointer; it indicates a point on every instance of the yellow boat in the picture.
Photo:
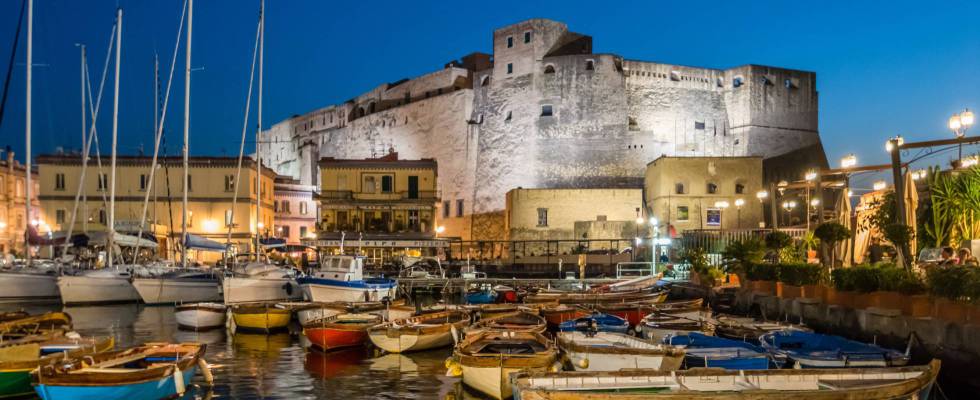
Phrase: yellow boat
(19, 357)
(35, 324)
(260, 317)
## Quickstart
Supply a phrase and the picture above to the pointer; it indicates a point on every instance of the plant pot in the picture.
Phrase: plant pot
(841, 298)
(764, 287)
(787, 291)
(950, 310)
(814, 291)
(811, 255)
(862, 300)
(885, 299)
(974, 314)
(919, 306)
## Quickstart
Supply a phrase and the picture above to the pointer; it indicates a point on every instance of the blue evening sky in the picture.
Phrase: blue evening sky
(883, 67)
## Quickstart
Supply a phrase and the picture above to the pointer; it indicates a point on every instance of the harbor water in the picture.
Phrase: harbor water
(277, 366)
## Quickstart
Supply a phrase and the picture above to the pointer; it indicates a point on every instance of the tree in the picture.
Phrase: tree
(901, 235)
(777, 240)
(829, 234)
(740, 255)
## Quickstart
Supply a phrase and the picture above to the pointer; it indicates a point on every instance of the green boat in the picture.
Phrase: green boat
(19, 357)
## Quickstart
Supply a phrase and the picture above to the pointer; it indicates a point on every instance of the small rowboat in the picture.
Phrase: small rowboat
(307, 312)
(558, 314)
(200, 316)
(517, 321)
(715, 352)
(597, 298)
(749, 329)
(148, 372)
(340, 331)
(19, 357)
(657, 326)
(635, 312)
(596, 322)
(607, 351)
(718, 384)
(814, 350)
(260, 317)
(486, 311)
(35, 324)
(487, 359)
(12, 315)
(486, 296)
(424, 332)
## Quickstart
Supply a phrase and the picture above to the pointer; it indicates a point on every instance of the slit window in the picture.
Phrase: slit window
(142, 182)
(542, 217)
(699, 125)
(59, 182)
(459, 208)
(510, 41)
(510, 68)
(589, 65)
(445, 209)
(546, 110)
(527, 37)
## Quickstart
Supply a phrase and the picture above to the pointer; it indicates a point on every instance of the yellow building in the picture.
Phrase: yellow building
(383, 206)
(210, 196)
(13, 181)
(691, 193)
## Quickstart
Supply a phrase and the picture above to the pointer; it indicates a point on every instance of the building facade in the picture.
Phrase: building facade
(13, 222)
(546, 111)
(690, 193)
(383, 207)
(213, 206)
(296, 210)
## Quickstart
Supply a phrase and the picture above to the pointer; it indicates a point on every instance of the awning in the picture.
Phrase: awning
(99, 238)
(195, 242)
(271, 243)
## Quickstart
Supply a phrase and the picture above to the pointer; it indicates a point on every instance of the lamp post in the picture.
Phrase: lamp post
(762, 195)
(959, 123)
(789, 206)
(722, 205)
(738, 212)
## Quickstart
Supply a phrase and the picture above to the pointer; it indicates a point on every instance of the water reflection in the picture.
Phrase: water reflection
(327, 365)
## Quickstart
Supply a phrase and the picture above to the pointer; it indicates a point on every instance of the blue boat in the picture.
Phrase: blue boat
(716, 352)
(481, 297)
(598, 322)
(149, 372)
(814, 350)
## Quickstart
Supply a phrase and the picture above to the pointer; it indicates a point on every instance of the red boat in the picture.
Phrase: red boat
(339, 331)
(557, 314)
(635, 312)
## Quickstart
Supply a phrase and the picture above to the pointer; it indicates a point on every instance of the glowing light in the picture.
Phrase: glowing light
(761, 195)
(968, 162)
(814, 202)
(789, 205)
(721, 204)
(261, 225)
(639, 241)
(639, 220)
(966, 118)
(955, 124)
(848, 161)
(3, 225)
(312, 235)
(810, 175)
(440, 229)
(880, 185)
(919, 174)
(850, 193)
(739, 202)
(210, 225)
(889, 144)
(654, 221)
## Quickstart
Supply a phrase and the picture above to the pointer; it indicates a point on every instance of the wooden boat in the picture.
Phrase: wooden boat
(149, 372)
(424, 332)
(608, 351)
(635, 312)
(715, 352)
(517, 321)
(749, 329)
(339, 331)
(814, 350)
(657, 326)
(35, 324)
(12, 315)
(479, 296)
(597, 298)
(486, 311)
(596, 322)
(200, 316)
(718, 384)
(556, 315)
(261, 317)
(487, 359)
(19, 357)
(307, 312)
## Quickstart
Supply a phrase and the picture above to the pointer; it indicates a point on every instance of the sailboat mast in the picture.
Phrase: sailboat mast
(84, 133)
(187, 129)
(258, 132)
(27, 128)
(110, 242)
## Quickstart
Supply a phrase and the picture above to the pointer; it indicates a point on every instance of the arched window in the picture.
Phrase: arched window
(589, 65)
(485, 81)
(739, 188)
(549, 69)
(711, 188)
(678, 188)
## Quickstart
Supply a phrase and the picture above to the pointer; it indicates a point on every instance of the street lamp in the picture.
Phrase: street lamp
(960, 123)
(721, 220)
(880, 185)
(897, 139)
(789, 206)
(738, 212)
(848, 161)
(810, 175)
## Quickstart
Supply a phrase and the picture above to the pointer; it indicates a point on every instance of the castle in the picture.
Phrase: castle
(544, 111)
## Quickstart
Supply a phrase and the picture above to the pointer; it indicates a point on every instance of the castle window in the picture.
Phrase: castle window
(765, 81)
(719, 82)
(546, 110)
(510, 68)
(675, 76)
(711, 188)
(485, 81)
(527, 37)
(739, 188)
(459, 208)
(508, 118)
(699, 125)
(510, 41)
(542, 217)
(549, 69)
(738, 81)
(678, 188)
(633, 126)
(589, 65)
(445, 209)
(790, 84)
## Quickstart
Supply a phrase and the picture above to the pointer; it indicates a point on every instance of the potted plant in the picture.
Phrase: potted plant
(792, 278)
(763, 277)
(896, 286)
(947, 284)
(776, 241)
(842, 292)
(830, 233)
(810, 242)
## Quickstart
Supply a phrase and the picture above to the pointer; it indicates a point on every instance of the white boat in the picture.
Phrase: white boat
(179, 286)
(200, 316)
(487, 359)
(307, 312)
(655, 327)
(341, 278)
(609, 351)
(259, 282)
(28, 283)
(424, 332)
(98, 286)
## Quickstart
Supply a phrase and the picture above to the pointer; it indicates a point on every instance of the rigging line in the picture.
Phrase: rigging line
(93, 136)
(10, 66)
(241, 148)
(159, 133)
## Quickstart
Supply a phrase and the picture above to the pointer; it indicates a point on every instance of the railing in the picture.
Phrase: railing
(635, 269)
(714, 241)
(336, 194)
(427, 195)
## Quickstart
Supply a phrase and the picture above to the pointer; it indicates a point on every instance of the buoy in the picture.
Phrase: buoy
(449, 362)
(584, 363)
(179, 380)
(454, 370)
(205, 371)
(556, 367)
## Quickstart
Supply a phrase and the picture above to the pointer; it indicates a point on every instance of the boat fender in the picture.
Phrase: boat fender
(455, 333)
(556, 367)
(584, 363)
(454, 370)
(202, 364)
(179, 381)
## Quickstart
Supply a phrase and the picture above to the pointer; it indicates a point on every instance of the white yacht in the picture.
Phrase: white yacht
(181, 286)
(37, 282)
(98, 286)
(259, 281)
(341, 278)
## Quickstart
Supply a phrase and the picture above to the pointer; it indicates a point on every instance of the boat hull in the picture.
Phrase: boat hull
(200, 318)
(96, 290)
(248, 290)
(615, 362)
(151, 390)
(261, 322)
(330, 339)
(15, 383)
(405, 342)
(20, 286)
(320, 290)
(173, 291)
(492, 381)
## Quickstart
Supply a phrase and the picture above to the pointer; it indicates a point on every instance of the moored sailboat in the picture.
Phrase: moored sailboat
(259, 282)
(188, 285)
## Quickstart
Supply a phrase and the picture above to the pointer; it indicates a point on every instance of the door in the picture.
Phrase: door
(413, 187)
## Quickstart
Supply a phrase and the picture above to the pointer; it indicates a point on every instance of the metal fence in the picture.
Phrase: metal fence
(714, 241)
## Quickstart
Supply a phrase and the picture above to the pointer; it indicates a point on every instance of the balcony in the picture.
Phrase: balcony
(429, 196)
